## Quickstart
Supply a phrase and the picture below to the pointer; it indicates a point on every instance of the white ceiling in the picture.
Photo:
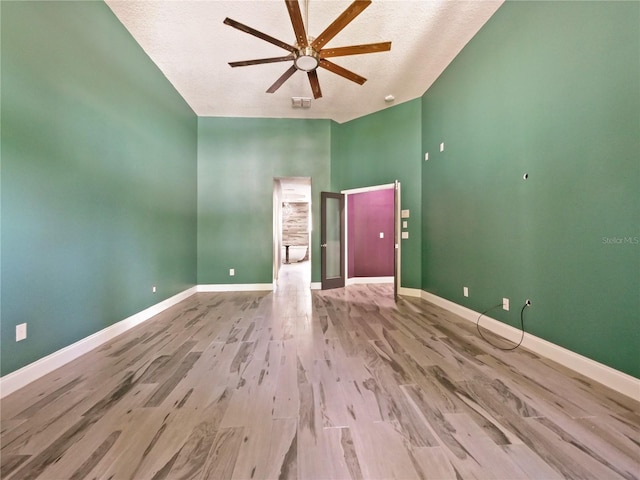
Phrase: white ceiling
(190, 44)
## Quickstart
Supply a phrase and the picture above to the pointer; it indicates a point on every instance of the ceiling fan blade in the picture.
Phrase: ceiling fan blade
(283, 78)
(343, 72)
(339, 23)
(315, 84)
(355, 50)
(298, 25)
(260, 61)
(262, 36)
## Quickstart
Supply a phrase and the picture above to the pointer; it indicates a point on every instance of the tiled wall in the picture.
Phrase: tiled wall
(295, 224)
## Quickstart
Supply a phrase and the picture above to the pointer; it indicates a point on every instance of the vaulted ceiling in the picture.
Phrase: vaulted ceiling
(192, 46)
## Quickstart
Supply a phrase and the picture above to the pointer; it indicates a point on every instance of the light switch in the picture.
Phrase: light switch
(442, 147)
(405, 235)
(381, 234)
(404, 224)
(405, 214)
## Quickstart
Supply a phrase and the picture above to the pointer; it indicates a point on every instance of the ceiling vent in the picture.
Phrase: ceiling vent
(300, 102)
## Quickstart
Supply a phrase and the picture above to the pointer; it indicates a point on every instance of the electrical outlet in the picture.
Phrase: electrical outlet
(153, 289)
(465, 290)
(426, 156)
(505, 304)
(442, 147)
(21, 332)
(381, 234)
(232, 272)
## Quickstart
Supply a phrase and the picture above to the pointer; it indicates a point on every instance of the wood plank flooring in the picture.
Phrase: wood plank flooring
(341, 384)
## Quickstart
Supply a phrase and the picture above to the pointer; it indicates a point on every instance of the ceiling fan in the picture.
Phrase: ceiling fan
(308, 53)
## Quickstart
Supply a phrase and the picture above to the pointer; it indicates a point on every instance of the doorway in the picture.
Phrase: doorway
(379, 244)
(292, 230)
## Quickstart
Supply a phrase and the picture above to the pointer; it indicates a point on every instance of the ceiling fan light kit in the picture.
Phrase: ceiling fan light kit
(307, 53)
(307, 59)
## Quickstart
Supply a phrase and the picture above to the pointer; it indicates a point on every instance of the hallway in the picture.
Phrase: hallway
(294, 277)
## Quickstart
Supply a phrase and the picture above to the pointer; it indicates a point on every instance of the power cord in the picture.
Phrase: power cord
(526, 304)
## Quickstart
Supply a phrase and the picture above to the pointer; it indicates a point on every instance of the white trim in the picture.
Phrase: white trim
(610, 377)
(345, 260)
(409, 292)
(316, 286)
(27, 374)
(369, 189)
(397, 236)
(396, 252)
(236, 287)
(366, 280)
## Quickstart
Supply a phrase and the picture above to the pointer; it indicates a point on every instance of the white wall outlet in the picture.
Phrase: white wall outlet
(505, 304)
(405, 224)
(232, 272)
(153, 289)
(442, 147)
(405, 235)
(21, 332)
(465, 291)
(381, 234)
(404, 213)
(426, 156)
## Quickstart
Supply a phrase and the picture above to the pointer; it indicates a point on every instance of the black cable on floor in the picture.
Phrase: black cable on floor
(526, 304)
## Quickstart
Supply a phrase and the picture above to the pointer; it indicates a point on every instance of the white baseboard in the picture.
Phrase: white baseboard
(610, 377)
(27, 374)
(619, 381)
(236, 287)
(410, 292)
(367, 280)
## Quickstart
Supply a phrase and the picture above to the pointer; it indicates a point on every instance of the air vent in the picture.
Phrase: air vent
(300, 102)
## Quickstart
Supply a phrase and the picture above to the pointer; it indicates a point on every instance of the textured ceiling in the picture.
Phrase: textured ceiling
(190, 44)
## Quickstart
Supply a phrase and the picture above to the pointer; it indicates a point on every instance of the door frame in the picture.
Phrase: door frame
(396, 186)
(397, 264)
(278, 221)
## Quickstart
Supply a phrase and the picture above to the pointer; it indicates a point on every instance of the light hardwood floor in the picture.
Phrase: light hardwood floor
(315, 385)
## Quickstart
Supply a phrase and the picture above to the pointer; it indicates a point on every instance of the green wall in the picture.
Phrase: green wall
(378, 149)
(109, 183)
(98, 177)
(238, 159)
(550, 89)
